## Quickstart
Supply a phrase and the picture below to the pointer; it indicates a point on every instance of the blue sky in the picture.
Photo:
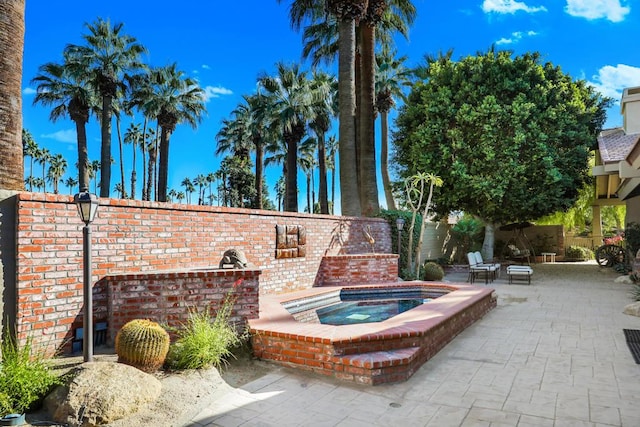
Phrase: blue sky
(227, 45)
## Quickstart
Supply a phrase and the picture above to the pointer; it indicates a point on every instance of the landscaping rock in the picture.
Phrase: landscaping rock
(102, 392)
(633, 309)
(624, 279)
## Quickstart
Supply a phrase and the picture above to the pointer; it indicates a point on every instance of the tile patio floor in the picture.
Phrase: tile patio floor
(550, 354)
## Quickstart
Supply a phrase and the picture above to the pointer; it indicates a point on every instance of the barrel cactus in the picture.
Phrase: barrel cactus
(432, 271)
(143, 344)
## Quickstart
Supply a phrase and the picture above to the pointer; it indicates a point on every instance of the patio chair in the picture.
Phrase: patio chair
(476, 271)
(480, 263)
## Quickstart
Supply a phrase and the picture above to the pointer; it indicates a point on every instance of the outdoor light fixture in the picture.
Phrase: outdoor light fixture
(87, 207)
(399, 226)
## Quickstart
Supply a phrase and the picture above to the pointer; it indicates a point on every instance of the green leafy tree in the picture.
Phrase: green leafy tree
(509, 136)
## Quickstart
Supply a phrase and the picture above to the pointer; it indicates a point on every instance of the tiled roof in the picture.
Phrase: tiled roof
(614, 144)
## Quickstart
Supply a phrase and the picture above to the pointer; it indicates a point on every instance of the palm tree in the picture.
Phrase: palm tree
(292, 99)
(211, 179)
(106, 57)
(57, 169)
(180, 196)
(70, 183)
(201, 182)
(120, 190)
(307, 163)
(63, 87)
(171, 194)
(332, 149)
(280, 192)
(176, 99)
(29, 149)
(152, 150)
(133, 136)
(325, 109)
(38, 183)
(30, 182)
(188, 188)
(322, 41)
(43, 157)
(391, 76)
(11, 49)
(94, 168)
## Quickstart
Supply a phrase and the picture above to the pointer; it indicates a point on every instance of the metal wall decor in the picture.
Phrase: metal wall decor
(291, 241)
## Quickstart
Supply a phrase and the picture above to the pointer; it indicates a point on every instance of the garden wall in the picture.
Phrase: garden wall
(135, 237)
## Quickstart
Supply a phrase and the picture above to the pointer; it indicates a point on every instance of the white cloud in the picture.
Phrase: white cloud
(29, 91)
(516, 37)
(509, 6)
(206, 67)
(597, 9)
(215, 92)
(68, 135)
(611, 80)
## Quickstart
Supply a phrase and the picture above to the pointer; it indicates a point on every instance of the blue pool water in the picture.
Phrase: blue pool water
(352, 312)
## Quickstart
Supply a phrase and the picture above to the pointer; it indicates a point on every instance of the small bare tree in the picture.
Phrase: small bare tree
(415, 187)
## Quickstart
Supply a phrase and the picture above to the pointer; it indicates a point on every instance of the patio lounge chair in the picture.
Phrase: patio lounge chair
(476, 271)
(480, 263)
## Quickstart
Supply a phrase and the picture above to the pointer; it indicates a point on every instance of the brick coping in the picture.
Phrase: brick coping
(190, 273)
(274, 320)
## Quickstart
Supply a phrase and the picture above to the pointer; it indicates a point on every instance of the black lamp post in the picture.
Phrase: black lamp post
(399, 226)
(87, 207)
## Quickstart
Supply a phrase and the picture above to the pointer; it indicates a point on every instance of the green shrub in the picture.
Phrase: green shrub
(25, 378)
(578, 253)
(205, 341)
(432, 271)
(635, 292)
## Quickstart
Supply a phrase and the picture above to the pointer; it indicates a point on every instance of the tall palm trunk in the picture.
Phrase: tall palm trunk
(120, 146)
(143, 150)
(384, 159)
(291, 177)
(367, 153)
(163, 169)
(322, 166)
(135, 143)
(259, 170)
(105, 152)
(11, 49)
(349, 198)
(150, 169)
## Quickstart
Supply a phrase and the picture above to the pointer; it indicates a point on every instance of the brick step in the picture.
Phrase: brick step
(382, 366)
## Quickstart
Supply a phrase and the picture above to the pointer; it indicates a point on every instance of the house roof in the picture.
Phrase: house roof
(615, 145)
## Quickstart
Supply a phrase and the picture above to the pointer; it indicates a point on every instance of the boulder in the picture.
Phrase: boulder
(624, 279)
(632, 309)
(101, 392)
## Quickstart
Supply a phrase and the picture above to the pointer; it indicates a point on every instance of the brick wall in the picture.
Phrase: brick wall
(133, 236)
(167, 298)
(342, 270)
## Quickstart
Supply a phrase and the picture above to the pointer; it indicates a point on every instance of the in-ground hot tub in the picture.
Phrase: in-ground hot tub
(368, 353)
